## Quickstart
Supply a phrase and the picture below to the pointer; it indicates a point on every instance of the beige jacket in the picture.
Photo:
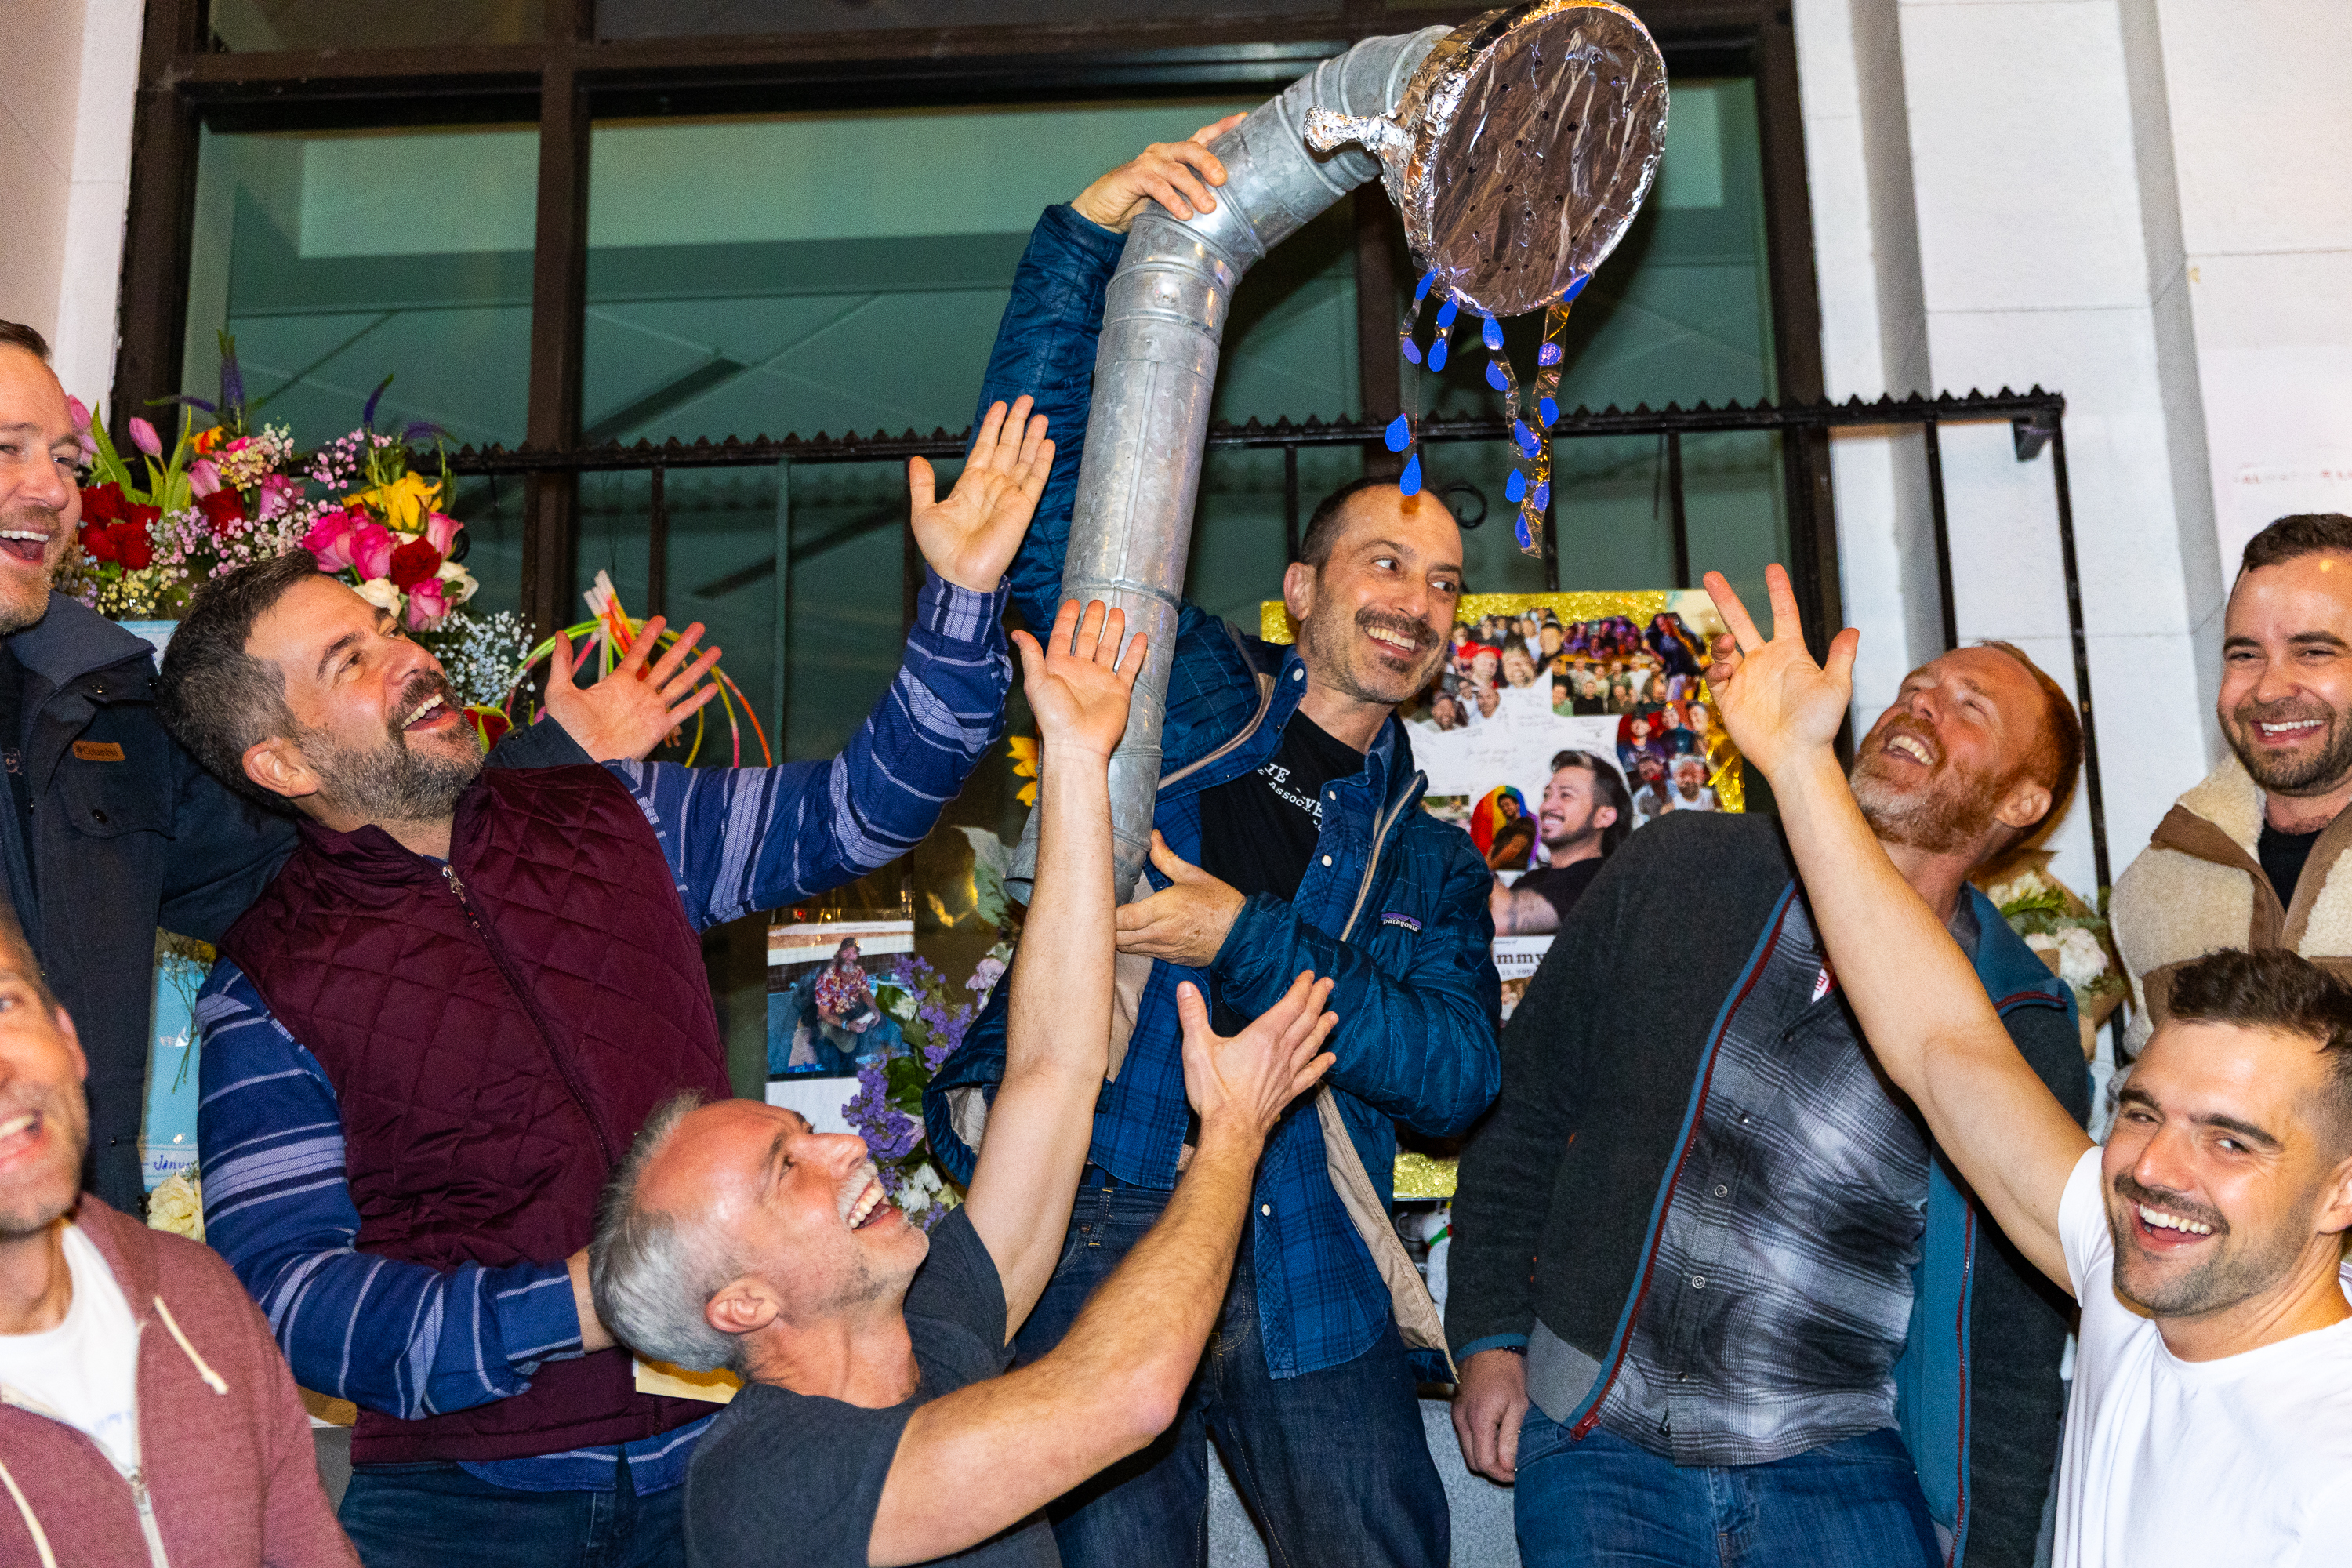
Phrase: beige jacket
(2198, 885)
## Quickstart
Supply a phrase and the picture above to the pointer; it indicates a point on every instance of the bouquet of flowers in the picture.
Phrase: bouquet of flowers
(887, 1109)
(155, 529)
(2071, 936)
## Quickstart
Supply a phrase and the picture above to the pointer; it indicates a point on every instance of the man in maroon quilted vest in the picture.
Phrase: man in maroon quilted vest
(433, 1037)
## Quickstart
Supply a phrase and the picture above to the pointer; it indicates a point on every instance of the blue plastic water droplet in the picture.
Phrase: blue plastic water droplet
(1495, 376)
(1399, 433)
(1492, 331)
(1447, 311)
(1575, 288)
(1411, 349)
(1526, 540)
(1548, 411)
(1524, 437)
(1428, 281)
(1437, 355)
(1543, 495)
(1548, 354)
(1410, 480)
(1515, 487)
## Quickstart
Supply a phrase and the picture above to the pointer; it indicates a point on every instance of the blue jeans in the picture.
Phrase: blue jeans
(1604, 1502)
(1333, 1465)
(437, 1516)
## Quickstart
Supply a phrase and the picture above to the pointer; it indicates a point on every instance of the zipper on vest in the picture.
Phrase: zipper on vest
(523, 999)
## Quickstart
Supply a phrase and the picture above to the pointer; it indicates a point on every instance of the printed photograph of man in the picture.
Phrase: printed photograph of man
(1584, 816)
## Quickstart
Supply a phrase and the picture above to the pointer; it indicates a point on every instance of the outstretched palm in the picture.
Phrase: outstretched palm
(969, 537)
(1077, 685)
(1776, 702)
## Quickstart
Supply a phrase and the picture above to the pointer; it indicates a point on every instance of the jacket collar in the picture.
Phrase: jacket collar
(371, 851)
(73, 641)
(2229, 798)
(129, 1249)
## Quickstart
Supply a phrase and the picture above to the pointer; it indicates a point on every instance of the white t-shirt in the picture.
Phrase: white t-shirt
(2245, 1459)
(84, 1371)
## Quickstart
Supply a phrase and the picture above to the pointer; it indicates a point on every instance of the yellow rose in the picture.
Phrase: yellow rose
(401, 504)
(178, 1205)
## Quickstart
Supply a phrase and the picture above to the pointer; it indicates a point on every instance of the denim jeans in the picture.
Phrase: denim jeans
(1604, 1502)
(438, 1516)
(1333, 1465)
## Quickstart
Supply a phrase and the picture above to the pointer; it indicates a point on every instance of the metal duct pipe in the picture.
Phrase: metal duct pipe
(1157, 367)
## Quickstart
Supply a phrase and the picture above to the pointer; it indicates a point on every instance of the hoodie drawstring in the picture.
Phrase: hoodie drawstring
(40, 1539)
(219, 1384)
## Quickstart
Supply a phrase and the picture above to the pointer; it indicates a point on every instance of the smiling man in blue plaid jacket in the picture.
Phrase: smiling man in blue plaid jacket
(1294, 838)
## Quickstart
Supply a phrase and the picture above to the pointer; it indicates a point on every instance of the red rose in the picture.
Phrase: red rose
(413, 562)
(141, 518)
(103, 503)
(489, 724)
(133, 546)
(224, 508)
(98, 542)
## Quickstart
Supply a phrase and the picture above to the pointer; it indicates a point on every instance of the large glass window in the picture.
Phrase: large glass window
(340, 257)
(247, 26)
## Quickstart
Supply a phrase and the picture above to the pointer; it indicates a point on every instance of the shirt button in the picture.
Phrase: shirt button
(1722, 1192)
(1297, 675)
(1698, 1281)
(1327, 859)
(1262, 1208)
(1682, 1377)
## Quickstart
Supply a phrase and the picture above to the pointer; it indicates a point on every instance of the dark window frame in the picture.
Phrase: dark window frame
(569, 76)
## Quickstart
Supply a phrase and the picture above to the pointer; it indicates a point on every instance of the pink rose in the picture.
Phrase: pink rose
(441, 531)
(203, 478)
(143, 436)
(330, 540)
(372, 550)
(276, 493)
(427, 603)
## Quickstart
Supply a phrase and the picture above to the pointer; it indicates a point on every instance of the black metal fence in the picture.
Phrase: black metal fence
(2036, 420)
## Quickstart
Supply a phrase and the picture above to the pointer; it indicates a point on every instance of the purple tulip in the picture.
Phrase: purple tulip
(203, 478)
(143, 436)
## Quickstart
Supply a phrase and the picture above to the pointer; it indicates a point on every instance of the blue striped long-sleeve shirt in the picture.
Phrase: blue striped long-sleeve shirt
(410, 1340)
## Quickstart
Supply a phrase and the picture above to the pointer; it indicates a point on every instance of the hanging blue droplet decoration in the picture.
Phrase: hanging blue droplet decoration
(1411, 349)
(1410, 480)
(1495, 376)
(1543, 495)
(1548, 354)
(1515, 486)
(1447, 311)
(1519, 527)
(1575, 288)
(1437, 355)
(1399, 433)
(1428, 281)
(1548, 411)
(1491, 333)
(1524, 437)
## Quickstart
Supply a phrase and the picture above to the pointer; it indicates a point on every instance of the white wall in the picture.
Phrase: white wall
(65, 175)
(2132, 201)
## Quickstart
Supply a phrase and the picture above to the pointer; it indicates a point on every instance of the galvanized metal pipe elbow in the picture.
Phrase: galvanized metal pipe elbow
(1156, 372)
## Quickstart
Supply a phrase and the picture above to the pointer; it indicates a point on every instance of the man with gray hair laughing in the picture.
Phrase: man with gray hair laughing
(873, 1355)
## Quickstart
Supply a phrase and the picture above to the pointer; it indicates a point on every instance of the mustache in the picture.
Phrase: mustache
(2131, 1192)
(1424, 635)
(424, 683)
(1903, 724)
(2250, 713)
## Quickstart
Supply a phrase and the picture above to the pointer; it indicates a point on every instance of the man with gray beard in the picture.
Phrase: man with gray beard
(1714, 1291)
(2248, 858)
(112, 828)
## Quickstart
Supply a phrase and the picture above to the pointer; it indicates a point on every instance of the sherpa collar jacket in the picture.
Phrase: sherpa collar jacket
(228, 1475)
(1605, 1071)
(2200, 886)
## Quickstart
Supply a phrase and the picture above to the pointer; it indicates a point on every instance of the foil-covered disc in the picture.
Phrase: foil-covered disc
(1521, 149)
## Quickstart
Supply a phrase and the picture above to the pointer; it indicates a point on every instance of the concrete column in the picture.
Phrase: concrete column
(65, 140)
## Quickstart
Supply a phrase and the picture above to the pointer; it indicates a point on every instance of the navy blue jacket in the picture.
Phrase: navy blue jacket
(1393, 904)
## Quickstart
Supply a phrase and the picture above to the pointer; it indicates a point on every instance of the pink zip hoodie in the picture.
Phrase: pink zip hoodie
(227, 1477)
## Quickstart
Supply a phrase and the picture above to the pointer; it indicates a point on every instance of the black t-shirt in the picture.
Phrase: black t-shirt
(2283, 856)
(793, 1480)
(1560, 885)
(1258, 831)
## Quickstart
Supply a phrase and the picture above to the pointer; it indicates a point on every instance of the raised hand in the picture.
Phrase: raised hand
(1776, 702)
(1078, 683)
(970, 538)
(1176, 174)
(633, 709)
(1244, 1082)
(1185, 923)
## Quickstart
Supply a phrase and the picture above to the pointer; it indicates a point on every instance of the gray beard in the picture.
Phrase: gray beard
(392, 783)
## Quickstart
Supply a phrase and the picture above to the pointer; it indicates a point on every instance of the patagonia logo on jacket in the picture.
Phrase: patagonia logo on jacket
(1404, 923)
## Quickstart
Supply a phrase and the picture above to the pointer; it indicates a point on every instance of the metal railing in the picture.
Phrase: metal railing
(2036, 419)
